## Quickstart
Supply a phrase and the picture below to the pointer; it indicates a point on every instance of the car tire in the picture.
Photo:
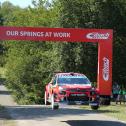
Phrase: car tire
(53, 105)
(94, 107)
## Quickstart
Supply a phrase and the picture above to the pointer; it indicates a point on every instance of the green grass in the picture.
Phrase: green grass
(113, 110)
(116, 111)
(8, 123)
(5, 122)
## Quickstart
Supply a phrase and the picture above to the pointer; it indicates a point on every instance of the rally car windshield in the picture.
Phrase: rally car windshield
(73, 80)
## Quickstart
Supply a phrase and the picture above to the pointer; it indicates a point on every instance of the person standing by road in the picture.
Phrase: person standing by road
(115, 91)
(124, 94)
(120, 97)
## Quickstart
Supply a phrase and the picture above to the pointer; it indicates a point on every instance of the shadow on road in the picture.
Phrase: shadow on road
(5, 92)
(4, 114)
(42, 112)
(93, 123)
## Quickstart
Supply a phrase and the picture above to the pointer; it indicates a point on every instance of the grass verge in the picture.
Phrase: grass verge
(113, 110)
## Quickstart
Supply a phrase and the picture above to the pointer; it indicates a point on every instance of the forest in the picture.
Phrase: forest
(30, 65)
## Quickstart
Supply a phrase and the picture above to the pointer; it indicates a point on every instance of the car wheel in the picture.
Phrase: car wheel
(53, 105)
(45, 99)
(94, 107)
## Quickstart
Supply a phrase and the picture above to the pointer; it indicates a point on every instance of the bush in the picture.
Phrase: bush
(28, 69)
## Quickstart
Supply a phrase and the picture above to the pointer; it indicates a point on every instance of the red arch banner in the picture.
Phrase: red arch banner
(102, 36)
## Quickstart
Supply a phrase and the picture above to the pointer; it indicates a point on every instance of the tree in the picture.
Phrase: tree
(28, 63)
(112, 14)
(104, 14)
(77, 57)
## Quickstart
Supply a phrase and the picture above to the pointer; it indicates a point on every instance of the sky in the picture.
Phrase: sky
(21, 3)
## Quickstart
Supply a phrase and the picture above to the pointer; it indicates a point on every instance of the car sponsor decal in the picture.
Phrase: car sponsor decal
(71, 76)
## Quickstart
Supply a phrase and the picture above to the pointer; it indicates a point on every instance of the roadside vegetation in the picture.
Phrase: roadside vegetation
(29, 65)
(2, 72)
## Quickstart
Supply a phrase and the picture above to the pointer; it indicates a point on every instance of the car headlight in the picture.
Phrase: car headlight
(62, 90)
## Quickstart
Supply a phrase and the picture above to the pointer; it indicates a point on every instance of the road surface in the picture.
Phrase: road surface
(39, 115)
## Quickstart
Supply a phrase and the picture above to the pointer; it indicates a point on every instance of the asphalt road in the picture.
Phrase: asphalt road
(40, 115)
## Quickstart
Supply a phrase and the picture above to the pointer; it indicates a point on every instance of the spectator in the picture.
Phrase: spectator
(124, 93)
(115, 91)
(120, 97)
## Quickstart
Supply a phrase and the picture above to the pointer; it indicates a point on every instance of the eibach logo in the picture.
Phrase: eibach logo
(96, 35)
(105, 70)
